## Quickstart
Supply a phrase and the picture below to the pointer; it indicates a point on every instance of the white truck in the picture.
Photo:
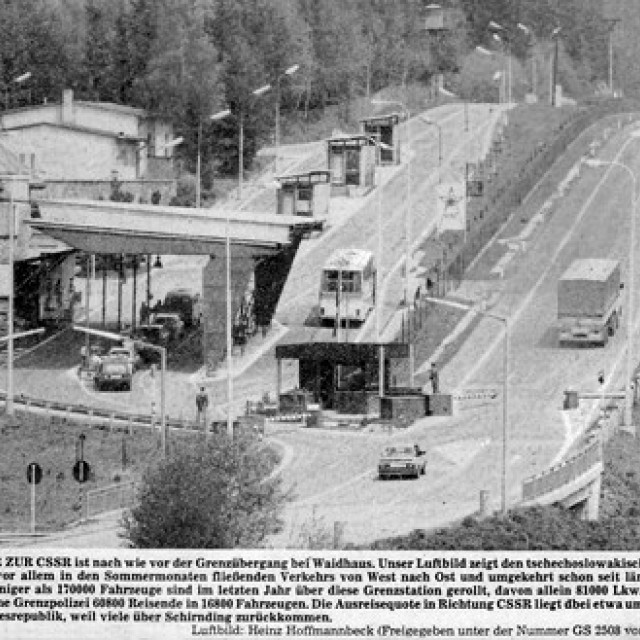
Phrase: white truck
(589, 306)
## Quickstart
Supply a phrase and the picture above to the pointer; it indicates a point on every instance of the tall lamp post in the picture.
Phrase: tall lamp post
(505, 42)
(229, 319)
(287, 72)
(505, 390)
(18, 80)
(534, 74)
(409, 217)
(378, 281)
(554, 66)
(433, 123)
(256, 92)
(628, 407)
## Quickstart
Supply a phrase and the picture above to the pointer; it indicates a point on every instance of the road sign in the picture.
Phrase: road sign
(81, 471)
(34, 473)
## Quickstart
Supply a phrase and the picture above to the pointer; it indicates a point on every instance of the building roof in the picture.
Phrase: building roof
(80, 129)
(590, 269)
(341, 352)
(355, 259)
(383, 119)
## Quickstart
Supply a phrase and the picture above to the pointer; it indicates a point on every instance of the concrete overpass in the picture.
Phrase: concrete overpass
(262, 246)
(116, 228)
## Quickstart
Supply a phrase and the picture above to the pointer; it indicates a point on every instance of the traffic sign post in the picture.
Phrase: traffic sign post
(34, 476)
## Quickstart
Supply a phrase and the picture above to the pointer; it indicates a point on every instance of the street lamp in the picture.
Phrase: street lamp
(505, 387)
(409, 217)
(229, 320)
(508, 73)
(534, 79)
(594, 162)
(554, 66)
(439, 128)
(256, 92)
(450, 94)
(378, 280)
(18, 80)
(287, 72)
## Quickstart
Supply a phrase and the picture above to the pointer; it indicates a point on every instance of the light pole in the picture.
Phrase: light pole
(378, 281)
(554, 66)
(505, 389)
(229, 319)
(450, 94)
(256, 92)
(287, 72)
(18, 80)
(628, 408)
(409, 217)
(612, 25)
(534, 76)
(505, 42)
(433, 123)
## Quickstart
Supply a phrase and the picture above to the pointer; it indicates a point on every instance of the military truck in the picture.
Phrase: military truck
(589, 305)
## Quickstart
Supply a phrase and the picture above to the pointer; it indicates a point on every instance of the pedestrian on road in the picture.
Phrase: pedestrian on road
(433, 376)
(202, 402)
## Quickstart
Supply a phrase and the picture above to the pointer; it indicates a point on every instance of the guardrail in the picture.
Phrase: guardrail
(563, 473)
(77, 412)
(110, 498)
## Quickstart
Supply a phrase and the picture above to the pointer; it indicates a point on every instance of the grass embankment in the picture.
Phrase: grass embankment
(113, 457)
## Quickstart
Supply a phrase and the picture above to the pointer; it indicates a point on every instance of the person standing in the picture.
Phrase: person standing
(434, 377)
(202, 402)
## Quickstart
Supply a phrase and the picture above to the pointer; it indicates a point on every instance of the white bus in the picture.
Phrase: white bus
(347, 290)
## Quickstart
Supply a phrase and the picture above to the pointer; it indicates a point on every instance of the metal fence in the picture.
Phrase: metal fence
(110, 498)
(562, 474)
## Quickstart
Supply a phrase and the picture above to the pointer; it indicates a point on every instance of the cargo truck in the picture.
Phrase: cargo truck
(589, 306)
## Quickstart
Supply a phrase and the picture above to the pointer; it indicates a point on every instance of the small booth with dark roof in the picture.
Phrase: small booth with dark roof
(352, 163)
(344, 377)
(304, 194)
(384, 128)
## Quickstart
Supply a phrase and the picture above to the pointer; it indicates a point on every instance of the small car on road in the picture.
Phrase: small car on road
(113, 373)
(401, 461)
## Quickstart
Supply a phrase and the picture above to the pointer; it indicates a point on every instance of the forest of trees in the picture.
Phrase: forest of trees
(187, 59)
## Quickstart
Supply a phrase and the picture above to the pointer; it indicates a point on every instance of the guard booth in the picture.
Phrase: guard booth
(384, 128)
(351, 161)
(342, 376)
(304, 194)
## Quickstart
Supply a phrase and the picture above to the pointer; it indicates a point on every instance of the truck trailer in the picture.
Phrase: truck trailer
(589, 305)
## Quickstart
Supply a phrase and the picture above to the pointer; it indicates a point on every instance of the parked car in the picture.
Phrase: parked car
(113, 373)
(401, 461)
(172, 322)
(127, 353)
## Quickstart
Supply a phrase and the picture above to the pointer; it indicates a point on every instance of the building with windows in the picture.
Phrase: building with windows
(79, 148)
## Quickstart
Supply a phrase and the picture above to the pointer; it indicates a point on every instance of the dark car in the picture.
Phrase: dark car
(113, 373)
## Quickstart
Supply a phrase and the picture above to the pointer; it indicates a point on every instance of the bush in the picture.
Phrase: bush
(211, 495)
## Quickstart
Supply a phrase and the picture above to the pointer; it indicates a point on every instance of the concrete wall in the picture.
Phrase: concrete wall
(74, 155)
(215, 304)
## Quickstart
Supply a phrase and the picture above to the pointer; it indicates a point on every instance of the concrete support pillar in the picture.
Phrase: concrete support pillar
(215, 303)
(592, 506)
